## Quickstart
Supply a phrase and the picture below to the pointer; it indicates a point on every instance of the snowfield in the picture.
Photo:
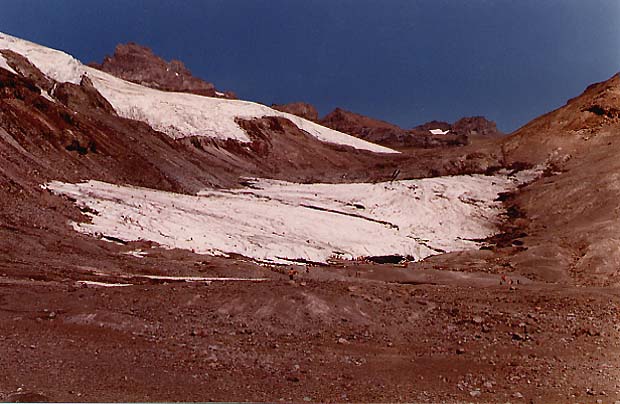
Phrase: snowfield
(176, 114)
(275, 221)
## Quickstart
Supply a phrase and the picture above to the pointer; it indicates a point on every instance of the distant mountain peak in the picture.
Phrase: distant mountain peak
(430, 134)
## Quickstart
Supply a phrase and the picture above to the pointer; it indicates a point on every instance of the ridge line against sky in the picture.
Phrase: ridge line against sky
(403, 61)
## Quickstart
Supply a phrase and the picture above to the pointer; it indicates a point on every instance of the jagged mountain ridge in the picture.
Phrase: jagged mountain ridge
(388, 134)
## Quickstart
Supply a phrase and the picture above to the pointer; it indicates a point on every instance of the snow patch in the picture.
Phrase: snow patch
(201, 279)
(276, 221)
(47, 96)
(104, 284)
(439, 131)
(136, 253)
(5, 65)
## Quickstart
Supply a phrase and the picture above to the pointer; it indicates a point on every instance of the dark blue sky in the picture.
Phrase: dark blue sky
(405, 61)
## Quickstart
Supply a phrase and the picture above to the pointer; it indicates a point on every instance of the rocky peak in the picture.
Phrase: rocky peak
(138, 64)
(347, 121)
(476, 125)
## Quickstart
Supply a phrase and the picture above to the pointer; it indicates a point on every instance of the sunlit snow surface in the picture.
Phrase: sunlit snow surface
(176, 114)
(4, 65)
(277, 221)
(53, 63)
(439, 131)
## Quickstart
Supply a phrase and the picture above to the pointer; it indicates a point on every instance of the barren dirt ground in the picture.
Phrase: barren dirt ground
(348, 332)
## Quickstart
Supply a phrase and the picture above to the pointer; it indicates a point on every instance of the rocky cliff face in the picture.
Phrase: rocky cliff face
(138, 64)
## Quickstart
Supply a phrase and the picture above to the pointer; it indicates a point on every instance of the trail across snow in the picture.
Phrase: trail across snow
(276, 221)
(178, 115)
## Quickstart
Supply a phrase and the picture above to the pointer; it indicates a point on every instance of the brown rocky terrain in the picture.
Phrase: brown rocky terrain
(138, 64)
(531, 317)
(572, 214)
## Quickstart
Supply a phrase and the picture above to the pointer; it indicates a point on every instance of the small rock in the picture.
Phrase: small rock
(307, 399)
(293, 379)
(517, 395)
(517, 336)
(343, 341)
(475, 393)
(460, 351)
(477, 320)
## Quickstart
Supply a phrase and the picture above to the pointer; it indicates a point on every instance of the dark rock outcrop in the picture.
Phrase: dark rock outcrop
(302, 109)
(138, 64)
(475, 125)
(361, 126)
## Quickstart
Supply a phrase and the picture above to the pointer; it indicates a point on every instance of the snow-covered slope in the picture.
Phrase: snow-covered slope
(278, 221)
(53, 63)
(176, 114)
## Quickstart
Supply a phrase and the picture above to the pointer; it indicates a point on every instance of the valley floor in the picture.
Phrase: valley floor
(351, 331)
